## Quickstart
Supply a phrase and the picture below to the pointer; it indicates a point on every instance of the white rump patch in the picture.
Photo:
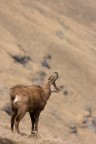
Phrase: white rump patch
(17, 98)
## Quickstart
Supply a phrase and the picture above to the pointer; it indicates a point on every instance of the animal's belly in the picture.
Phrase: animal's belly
(34, 108)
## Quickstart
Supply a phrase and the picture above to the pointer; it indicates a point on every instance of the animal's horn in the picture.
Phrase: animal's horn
(55, 76)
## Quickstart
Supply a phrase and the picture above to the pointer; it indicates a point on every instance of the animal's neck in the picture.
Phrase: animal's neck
(47, 90)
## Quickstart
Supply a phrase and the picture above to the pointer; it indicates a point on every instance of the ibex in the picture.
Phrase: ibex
(31, 99)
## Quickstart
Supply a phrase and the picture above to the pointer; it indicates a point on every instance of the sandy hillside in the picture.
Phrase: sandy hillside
(38, 37)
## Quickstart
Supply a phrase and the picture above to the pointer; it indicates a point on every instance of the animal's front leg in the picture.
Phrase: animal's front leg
(36, 123)
(34, 120)
(33, 123)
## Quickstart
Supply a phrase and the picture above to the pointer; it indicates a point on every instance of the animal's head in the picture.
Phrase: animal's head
(52, 79)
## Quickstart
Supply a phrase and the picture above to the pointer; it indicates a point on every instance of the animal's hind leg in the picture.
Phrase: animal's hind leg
(19, 116)
(13, 115)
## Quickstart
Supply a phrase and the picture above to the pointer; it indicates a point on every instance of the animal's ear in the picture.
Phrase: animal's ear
(50, 78)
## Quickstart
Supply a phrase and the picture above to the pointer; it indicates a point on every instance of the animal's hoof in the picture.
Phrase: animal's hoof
(34, 134)
(18, 132)
(12, 130)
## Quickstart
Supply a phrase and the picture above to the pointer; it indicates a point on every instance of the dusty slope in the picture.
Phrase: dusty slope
(66, 31)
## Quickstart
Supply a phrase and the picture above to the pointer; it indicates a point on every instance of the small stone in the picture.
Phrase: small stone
(48, 57)
(65, 92)
(84, 121)
(45, 64)
(73, 128)
(61, 87)
(87, 114)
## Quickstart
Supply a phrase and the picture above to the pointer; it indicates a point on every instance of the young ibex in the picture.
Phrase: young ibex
(31, 99)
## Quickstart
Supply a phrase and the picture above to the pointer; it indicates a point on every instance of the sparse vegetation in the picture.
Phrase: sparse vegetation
(22, 59)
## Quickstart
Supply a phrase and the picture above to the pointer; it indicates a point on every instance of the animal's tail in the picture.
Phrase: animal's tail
(12, 96)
